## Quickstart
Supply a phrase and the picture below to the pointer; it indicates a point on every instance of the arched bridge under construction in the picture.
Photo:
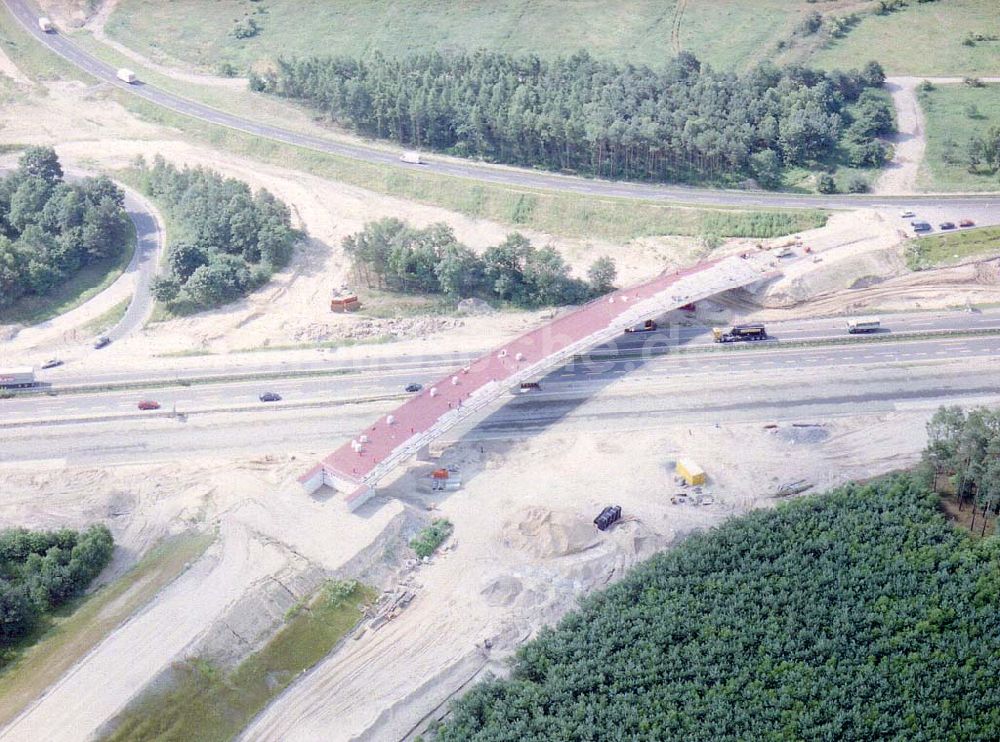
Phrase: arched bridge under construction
(356, 467)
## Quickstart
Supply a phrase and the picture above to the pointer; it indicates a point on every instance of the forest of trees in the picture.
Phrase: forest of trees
(682, 122)
(965, 447)
(861, 614)
(389, 254)
(230, 240)
(50, 229)
(41, 570)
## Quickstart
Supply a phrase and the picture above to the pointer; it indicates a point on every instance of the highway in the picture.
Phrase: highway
(624, 394)
(676, 331)
(504, 175)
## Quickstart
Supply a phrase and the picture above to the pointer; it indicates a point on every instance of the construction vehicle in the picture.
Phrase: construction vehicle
(857, 325)
(608, 517)
(690, 472)
(17, 377)
(126, 75)
(737, 333)
(345, 303)
(648, 326)
(46, 25)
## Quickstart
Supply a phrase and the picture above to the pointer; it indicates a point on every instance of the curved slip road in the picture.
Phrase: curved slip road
(510, 176)
(140, 271)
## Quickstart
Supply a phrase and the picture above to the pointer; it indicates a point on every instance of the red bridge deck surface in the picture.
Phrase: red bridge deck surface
(421, 412)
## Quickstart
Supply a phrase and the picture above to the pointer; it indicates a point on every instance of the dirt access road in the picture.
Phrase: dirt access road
(900, 176)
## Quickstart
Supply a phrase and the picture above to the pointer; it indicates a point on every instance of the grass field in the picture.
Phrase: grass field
(83, 285)
(80, 625)
(953, 114)
(723, 33)
(206, 703)
(955, 247)
(921, 39)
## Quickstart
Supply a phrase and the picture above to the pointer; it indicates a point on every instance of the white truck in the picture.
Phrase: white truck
(15, 377)
(857, 325)
(126, 75)
(46, 25)
(411, 158)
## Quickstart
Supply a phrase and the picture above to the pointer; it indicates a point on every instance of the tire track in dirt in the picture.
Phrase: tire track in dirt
(675, 31)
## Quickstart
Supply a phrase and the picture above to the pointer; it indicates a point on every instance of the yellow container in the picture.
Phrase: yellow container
(690, 471)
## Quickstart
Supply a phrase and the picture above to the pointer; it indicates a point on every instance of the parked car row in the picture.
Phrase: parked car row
(920, 225)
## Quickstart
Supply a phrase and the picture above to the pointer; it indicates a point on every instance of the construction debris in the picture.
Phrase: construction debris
(793, 488)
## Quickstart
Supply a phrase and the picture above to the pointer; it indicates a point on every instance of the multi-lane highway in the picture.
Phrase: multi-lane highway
(65, 47)
(770, 380)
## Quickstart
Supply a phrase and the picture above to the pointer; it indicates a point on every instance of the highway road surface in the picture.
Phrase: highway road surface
(63, 46)
(609, 393)
(677, 330)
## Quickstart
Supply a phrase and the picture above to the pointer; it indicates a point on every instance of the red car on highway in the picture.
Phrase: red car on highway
(148, 404)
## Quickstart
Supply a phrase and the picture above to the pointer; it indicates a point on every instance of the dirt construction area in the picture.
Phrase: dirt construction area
(524, 550)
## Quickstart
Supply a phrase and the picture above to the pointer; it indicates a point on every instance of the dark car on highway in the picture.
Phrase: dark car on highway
(270, 397)
(414, 387)
(966, 223)
(946, 225)
(102, 341)
(52, 363)
(921, 226)
(148, 404)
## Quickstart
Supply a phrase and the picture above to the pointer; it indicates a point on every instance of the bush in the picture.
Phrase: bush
(246, 29)
(41, 570)
(857, 184)
(431, 537)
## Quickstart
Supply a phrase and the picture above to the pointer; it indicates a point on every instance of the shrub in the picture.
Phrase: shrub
(857, 184)
(431, 537)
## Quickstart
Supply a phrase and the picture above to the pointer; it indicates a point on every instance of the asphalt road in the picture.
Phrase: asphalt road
(586, 376)
(149, 244)
(63, 46)
(802, 385)
(677, 330)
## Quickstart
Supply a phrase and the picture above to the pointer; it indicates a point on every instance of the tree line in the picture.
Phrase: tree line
(389, 254)
(964, 446)
(41, 570)
(683, 122)
(50, 229)
(230, 240)
(857, 615)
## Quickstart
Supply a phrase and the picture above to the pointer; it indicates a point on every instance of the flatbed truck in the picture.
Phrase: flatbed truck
(739, 333)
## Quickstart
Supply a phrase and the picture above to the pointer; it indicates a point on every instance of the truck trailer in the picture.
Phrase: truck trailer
(17, 377)
(126, 75)
(737, 333)
(863, 324)
(46, 25)
(648, 326)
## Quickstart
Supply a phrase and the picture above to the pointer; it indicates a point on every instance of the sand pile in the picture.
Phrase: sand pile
(544, 533)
